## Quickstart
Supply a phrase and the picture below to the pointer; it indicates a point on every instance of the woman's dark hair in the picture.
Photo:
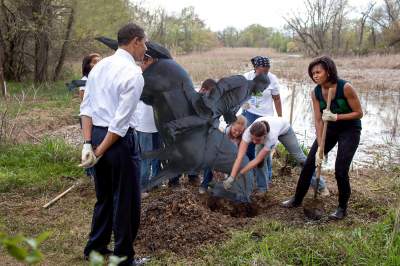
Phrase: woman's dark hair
(259, 129)
(328, 65)
(209, 84)
(128, 32)
(87, 60)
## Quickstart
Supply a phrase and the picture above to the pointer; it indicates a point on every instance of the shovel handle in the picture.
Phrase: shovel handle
(322, 148)
(48, 204)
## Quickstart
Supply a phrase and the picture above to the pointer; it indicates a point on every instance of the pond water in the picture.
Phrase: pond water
(380, 136)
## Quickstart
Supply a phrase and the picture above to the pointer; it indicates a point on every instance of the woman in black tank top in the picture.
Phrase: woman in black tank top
(344, 128)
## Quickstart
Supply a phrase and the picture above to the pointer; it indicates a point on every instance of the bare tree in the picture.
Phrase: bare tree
(321, 17)
(2, 60)
(364, 16)
(65, 44)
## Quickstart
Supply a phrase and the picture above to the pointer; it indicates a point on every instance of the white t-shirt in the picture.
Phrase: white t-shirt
(263, 104)
(145, 116)
(83, 88)
(277, 127)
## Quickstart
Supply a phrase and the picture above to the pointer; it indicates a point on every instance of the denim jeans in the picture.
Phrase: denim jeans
(207, 177)
(148, 167)
(289, 141)
(262, 173)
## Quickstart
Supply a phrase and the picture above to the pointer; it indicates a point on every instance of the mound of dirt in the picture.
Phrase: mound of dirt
(173, 219)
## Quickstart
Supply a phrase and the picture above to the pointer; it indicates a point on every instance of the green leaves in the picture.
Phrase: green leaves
(96, 259)
(22, 248)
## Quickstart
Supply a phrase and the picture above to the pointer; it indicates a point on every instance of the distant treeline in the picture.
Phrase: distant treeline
(36, 36)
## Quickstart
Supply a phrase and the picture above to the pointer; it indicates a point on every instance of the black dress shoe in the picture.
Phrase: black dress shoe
(339, 214)
(290, 203)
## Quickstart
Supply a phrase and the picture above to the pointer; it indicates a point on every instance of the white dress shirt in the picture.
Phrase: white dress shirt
(145, 116)
(112, 92)
(263, 105)
(83, 88)
(277, 126)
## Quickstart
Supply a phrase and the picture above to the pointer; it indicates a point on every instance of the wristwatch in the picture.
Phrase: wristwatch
(87, 142)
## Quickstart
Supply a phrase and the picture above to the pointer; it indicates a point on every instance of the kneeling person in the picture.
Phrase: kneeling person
(265, 133)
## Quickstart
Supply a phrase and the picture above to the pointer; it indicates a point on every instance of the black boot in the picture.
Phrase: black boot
(290, 203)
(339, 214)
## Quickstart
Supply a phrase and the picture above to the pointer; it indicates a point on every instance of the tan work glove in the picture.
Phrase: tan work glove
(228, 182)
(327, 115)
(88, 158)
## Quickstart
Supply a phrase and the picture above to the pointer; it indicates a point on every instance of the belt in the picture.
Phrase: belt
(130, 130)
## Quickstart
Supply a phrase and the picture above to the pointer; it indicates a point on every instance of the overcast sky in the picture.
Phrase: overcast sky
(218, 14)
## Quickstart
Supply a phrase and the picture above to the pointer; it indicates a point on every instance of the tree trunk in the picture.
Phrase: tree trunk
(2, 60)
(42, 42)
(65, 45)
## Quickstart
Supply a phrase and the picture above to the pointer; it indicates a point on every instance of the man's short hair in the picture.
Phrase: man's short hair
(128, 32)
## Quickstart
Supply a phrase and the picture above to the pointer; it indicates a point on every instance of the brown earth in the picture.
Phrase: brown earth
(179, 221)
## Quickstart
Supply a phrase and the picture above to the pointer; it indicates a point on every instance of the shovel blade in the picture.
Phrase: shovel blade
(314, 209)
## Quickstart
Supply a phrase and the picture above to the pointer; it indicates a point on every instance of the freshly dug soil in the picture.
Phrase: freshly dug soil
(173, 219)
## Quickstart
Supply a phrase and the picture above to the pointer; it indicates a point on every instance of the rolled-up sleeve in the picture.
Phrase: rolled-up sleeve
(130, 91)
(85, 108)
(246, 136)
(274, 86)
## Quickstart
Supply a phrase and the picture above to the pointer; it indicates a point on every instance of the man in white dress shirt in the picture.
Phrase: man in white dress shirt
(112, 92)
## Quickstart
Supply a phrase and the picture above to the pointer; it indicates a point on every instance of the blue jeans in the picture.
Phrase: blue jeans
(207, 177)
(148, 167)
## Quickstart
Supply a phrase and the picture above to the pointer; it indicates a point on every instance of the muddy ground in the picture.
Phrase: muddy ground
(179, 221)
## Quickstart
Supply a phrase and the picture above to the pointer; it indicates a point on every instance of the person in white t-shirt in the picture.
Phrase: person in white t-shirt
(88, 63)
(149, 140)
(262, 104)
(265, 133)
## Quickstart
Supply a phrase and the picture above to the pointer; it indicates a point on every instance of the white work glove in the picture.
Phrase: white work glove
(327, 115)
(318, 159)
(228, 182)
(88, 157)
(246, 106)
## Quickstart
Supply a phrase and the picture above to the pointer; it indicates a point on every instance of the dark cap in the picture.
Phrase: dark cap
(156, 50)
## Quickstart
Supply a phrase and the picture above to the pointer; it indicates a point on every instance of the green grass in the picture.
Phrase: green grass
(273, 243)
(283, 153)
(37, 165)
(51, 96)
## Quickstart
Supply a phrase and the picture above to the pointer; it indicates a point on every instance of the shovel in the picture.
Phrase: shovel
(315, 209)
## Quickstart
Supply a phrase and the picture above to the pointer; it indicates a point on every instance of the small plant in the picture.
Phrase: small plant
(96, 259)
(23, 249)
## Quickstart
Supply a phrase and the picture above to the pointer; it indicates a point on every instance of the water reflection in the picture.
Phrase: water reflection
(380, 137)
